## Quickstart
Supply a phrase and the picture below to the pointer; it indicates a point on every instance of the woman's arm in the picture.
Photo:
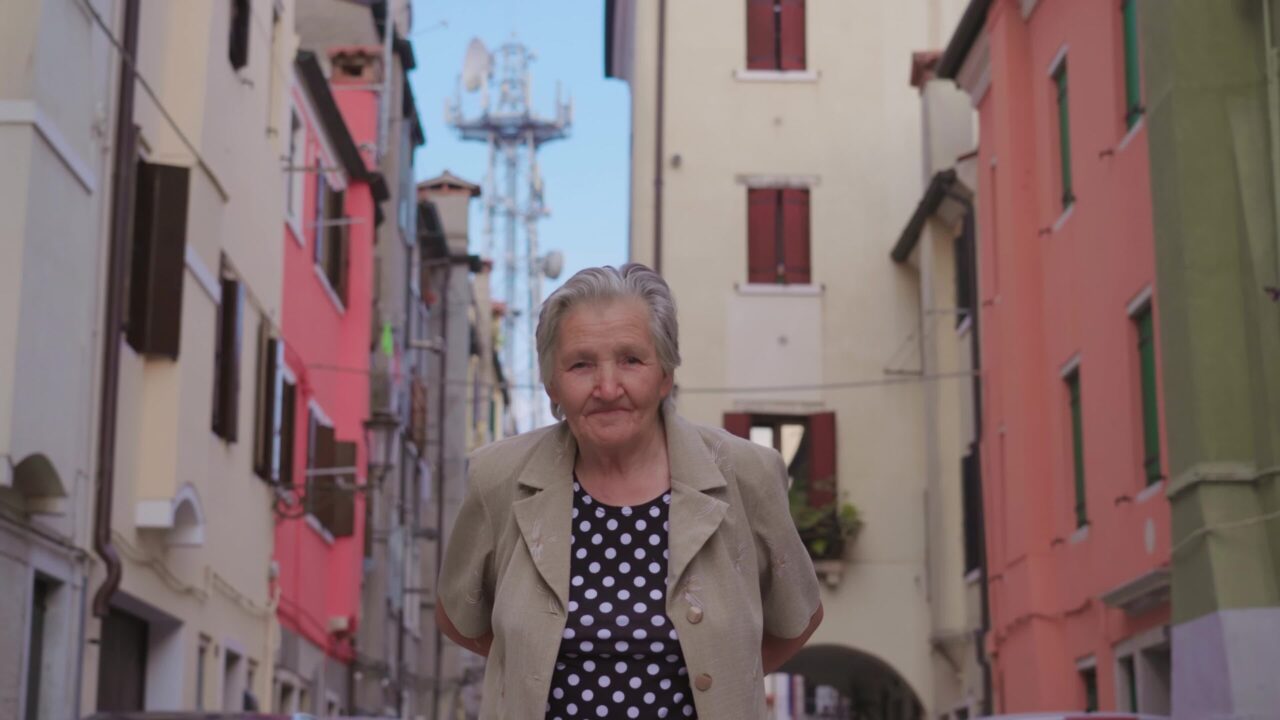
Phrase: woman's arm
(479, 646)
(776, 651)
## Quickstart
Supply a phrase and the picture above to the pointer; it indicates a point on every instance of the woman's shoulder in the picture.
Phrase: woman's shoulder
(749, 462)
(493, 464)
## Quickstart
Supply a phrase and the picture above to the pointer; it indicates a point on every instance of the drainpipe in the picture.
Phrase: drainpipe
(975, 349)
(440, 467)
(117, 256)
(658, 153)
(1273, 117)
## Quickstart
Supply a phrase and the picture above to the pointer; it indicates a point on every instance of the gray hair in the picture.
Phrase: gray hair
(601, 285)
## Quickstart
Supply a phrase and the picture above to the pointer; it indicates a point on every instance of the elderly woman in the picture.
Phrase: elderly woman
(625, 563)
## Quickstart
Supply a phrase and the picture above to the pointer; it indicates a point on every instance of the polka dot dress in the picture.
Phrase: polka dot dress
(619, 657)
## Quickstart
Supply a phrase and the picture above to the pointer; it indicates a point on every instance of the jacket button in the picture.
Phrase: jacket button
(703, 682)
(695, 615)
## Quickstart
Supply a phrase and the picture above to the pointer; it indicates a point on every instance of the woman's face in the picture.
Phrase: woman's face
(607, 377)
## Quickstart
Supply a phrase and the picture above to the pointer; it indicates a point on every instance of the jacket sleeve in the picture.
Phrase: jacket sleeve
(788, 583)
(466, 585)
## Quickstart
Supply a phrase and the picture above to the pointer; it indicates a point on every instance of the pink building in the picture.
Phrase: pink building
(331, 214)
(1073, 452)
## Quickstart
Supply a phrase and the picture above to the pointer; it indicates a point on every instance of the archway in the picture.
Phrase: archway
(842, 683)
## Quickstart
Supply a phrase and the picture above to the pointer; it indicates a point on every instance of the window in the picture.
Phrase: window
(807, 444)
(971, 479)
(122, 662)
(1064, 134)
(330, 254)
(966, 293)
(157, 259)
(202, 659)
(295, 172)
(267, 425)
(226, 364)
(1077, 446)
(778, 235)
(1132, 64)
(284, 699)
(1150, 404)
(1089, 683)
(41, 597)
(238, 41)
(1128, 699)
(775, 35)
(232, 681)
(329, 463)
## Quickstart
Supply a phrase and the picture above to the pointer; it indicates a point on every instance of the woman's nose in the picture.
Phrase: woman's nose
(607, 387)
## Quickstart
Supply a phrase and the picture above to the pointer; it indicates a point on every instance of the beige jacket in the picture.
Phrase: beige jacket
(737, 567)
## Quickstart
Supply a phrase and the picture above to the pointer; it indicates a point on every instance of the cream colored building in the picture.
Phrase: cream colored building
(192, 624)
(56, 89)
(777, 152)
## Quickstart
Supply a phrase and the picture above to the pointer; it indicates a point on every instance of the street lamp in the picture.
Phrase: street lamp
(382, 438)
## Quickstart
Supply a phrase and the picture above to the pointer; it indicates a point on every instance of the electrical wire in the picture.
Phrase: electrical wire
(853, 384)
(151, 93)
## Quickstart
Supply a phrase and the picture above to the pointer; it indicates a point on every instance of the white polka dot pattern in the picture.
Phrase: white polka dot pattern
(616, 601)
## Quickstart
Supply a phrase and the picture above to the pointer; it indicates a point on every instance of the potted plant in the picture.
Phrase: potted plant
(825, 529)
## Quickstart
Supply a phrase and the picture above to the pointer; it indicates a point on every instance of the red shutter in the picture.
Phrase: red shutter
(795, 234)
(761, 35)
(762, 235)
(738, 423)
(822, 433)
(792, 32)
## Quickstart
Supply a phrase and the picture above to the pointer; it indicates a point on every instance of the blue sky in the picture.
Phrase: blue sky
(586, 175)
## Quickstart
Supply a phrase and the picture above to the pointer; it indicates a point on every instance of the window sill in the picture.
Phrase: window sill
(1155, 489)
(1133, 132)
(777, 76)
(314, 524)
(333, 295)
(779, 290)
(294, 225)
(1080, 535)
(1063, 218)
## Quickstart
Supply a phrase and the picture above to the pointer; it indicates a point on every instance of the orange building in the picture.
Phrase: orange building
(1073, 455)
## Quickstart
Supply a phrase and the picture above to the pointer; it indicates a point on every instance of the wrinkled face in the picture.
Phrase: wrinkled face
(607, 377)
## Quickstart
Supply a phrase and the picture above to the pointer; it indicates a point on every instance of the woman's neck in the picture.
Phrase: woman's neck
(626, 475)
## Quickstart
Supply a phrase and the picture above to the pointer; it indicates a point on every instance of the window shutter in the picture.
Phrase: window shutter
(970, 477)
(238, 42)
(1150, 409)
(159, 259)
(267, 426)
(343, 518)
(823, 483)
(738, 424)
(322, 489)
(762, 242)
(792, 35)
(762, 35)
(226, 384)
(288, 432)
(795, 235)
(319, 215)
(418, 413)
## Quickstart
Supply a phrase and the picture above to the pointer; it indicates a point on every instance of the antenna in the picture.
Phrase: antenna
(514, 200)
(553, 264)
(476, 65)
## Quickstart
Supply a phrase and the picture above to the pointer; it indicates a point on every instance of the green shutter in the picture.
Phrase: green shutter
(1077, 447)
(1150, 408)
(1132, 76)
(1064, 135)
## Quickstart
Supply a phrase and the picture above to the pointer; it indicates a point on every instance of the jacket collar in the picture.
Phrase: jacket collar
(544, 518)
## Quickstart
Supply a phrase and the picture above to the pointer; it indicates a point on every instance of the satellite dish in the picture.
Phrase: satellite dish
(475, 66)
(553, 264)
